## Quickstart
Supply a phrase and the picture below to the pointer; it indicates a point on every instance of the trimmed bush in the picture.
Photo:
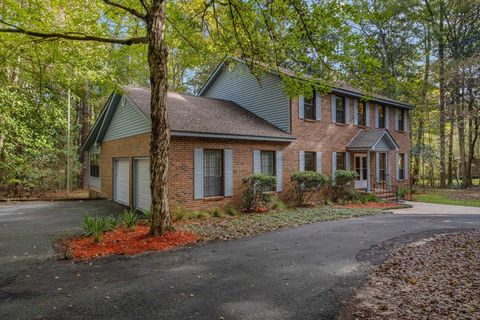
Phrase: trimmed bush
(255, 187)
(338, 188)
(306, 184)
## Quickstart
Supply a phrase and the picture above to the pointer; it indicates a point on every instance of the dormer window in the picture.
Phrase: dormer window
(340, 109)
(309, 108)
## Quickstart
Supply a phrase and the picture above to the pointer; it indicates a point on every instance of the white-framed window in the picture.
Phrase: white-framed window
(213, 172)
(94, 164)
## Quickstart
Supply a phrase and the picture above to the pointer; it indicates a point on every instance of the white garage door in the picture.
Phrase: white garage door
(143, 197)
(122, 181)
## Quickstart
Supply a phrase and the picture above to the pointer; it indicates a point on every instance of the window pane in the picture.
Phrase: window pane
(94, 165)
(212, 173)
(382, 166)
(267, 162)
(381, 116)
(309, 109)
(310, 161)
(340, 110)
(401, 166)
(361, 114)
(340, 161)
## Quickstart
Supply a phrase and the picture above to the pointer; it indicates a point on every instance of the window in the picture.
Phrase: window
(212, 173)
(94, 165)
(341, 163)
(382, 166)
(381, 116)
(362, 114)
(401, 119)
(401, 166)
(340, 109)
(310, 161)
(267, 164)
(309, 108)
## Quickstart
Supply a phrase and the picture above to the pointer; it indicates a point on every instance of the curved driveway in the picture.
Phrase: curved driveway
(301, 273)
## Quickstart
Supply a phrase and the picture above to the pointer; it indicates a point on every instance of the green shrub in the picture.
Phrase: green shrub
(216, 213)
(94, 226)
(401, 192)
(200, 215)
(112, 222)
(339, 188)
(130, 218)
(231, 210)
(278, 204)
(255, 187)
(306, 184)
(360, 196)
(147, 214)
(180, 213)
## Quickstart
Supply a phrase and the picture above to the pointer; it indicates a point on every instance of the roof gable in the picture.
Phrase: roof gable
(372, 140)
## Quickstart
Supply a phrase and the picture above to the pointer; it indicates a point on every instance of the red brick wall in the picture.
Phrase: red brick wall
(323, 136)
(181, 171)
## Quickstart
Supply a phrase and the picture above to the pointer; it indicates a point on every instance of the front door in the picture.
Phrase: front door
(361, 169)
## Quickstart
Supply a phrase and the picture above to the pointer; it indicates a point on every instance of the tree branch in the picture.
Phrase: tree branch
(72, 36)
(136, 13)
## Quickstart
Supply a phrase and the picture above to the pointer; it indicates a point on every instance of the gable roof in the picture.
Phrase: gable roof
(368, 139)
(337, 88)
(195, 117)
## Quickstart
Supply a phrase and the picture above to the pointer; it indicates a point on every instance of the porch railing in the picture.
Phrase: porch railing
(402, 189)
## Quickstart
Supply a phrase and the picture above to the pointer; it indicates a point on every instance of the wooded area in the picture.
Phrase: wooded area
(423, 52)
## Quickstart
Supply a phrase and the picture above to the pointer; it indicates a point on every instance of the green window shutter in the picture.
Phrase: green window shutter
(256, 162)
(228, 168)
(198, 178)
(278, 171)
(301, 160)
(301, 107)
(318, 107)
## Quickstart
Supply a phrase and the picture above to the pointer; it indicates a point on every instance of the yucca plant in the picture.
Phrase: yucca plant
(112, 222)
(130, 218)
(94, 226)
(147, 214)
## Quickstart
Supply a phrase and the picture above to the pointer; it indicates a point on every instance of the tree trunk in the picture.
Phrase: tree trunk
(450, 146)
(85, 125)
(160, 134)
(441, 48)
(461, 135)
(421, 112)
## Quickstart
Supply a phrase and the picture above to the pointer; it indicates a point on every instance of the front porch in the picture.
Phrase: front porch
(374, 156)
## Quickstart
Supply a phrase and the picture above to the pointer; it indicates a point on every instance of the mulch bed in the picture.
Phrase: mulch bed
(371, 205)
(126, 242)
(435, 278)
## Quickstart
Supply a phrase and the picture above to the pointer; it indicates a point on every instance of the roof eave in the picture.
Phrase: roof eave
(231, 136)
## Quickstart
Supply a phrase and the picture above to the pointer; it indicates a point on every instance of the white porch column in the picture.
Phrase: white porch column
(368, 171)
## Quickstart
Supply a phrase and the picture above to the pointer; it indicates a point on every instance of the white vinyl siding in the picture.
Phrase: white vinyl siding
(127, 121)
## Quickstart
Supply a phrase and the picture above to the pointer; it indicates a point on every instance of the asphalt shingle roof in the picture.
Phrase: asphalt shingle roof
(206, 115)
(367, 138)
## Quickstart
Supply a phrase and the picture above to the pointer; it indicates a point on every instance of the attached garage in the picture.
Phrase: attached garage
(121, 181)
(142, 196)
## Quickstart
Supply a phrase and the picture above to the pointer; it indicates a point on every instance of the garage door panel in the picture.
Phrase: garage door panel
(142, 189)
(122, 181)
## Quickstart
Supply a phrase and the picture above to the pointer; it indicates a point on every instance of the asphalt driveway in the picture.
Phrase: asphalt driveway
(301, 273)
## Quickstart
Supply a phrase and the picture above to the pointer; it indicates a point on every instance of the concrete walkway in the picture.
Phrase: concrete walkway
(434, 209)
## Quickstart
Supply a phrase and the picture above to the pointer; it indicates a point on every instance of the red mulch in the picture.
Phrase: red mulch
(127, 242)
(371, 205)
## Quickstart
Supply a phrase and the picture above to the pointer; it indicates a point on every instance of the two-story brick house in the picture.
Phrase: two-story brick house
(239, 125)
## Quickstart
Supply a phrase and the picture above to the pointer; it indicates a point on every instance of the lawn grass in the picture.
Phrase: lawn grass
(244, 225)
(444, 199)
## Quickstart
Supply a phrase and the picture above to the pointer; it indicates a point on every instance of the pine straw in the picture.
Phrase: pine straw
(437, 278)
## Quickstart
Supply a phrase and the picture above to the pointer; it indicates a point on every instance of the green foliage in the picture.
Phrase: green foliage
(130, 218)
(339, 189)
(307, 183)
(180, 213)
(147, 214)
(216, 213)
(112, 222)
(94, 226)
(255, 188)
(278, 204)
(401, 192)
(231, 210)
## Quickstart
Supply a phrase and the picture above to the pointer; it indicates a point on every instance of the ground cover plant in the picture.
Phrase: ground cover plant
(435, 278)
